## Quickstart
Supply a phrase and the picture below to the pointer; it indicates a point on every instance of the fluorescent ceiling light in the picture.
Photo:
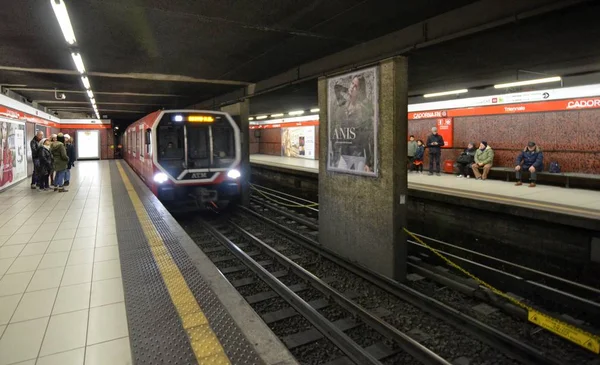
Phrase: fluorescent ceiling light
(315, 110)
(529, 82)
(62, 15)
(277, 115)
(297, 112)
(260, 117)
(251, 118)
(93, 101)
(78, 62)
(90, 93)
(86, 82)
(451, 92)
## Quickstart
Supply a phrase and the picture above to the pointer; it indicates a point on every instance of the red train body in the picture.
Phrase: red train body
(188, 158)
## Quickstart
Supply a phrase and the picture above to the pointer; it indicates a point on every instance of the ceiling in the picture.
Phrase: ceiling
(143, 55)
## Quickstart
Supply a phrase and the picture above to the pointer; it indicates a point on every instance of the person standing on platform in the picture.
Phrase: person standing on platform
(484, 159)
(61, 160)
(465, 160)
(434, 143)
(531, 159)
(45, 164)
(53, 138)
(71, 154)
(412, 149)
(35, 145)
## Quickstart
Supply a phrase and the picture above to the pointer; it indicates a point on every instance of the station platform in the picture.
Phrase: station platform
(102, 274)
(571, 202)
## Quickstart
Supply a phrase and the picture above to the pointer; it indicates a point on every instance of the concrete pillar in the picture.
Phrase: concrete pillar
(240, 113)
(362, 217)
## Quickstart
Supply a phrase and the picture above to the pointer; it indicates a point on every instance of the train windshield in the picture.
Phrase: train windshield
(210, 142)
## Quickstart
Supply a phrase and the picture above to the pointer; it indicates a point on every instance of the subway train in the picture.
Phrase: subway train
(190, 159)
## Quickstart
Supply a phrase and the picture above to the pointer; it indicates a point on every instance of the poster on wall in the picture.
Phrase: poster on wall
(88, 144)
(13, 163)
(298, 142)
(352, 101)
(445, 128)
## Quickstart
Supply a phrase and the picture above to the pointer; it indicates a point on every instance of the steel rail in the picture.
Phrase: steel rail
(300, 220)
(407, 343)
(493, 337)
(350, 348)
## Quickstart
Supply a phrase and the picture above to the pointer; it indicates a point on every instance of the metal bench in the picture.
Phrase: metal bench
(566, 175)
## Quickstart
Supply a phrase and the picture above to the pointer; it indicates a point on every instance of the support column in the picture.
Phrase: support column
(363, 166)
(240, 113)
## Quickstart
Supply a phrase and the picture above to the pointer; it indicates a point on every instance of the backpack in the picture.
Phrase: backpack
(554, 167)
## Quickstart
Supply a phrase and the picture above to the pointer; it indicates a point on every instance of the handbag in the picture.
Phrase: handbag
(464, 159)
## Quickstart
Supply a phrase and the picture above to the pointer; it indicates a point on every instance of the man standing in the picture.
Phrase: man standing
(34, 145)
(412, 149)
(434, 143)
(530, 159)
(71, 154)
(484, 159)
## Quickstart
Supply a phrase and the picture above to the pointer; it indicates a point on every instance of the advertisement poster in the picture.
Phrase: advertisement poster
(445, 128)
(352, 101)
(13, 165)
(298, 142)
(88, 144)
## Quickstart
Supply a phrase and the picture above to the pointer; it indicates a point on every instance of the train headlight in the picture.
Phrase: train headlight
(233, 174)
(161, 177)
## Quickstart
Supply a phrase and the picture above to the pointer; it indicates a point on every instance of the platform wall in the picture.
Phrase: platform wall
(571, 137)
(107, 139)
(269, 142)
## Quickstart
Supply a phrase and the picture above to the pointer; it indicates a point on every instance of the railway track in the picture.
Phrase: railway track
(559, 294)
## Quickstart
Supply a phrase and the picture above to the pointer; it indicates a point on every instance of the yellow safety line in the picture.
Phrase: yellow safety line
(563, 329)
(205, 344)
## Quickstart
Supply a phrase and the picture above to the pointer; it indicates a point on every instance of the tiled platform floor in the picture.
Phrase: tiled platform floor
(542, 197)
(61, 294)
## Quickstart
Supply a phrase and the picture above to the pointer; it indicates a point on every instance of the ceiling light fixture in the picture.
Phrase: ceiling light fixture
(529, 82)
(261, 117)
(279, 115)
(90, 94)
(86, 82)
(251, 118)
(315, 110)
(93, 101)
(62, 15)
(297, 112)
(78, 62)
(443, 93)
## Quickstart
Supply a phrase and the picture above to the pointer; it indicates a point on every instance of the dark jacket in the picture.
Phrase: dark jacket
(34, 145)
(71, 154)
(59, 152)
(533, 158)
(470, 153)
(46, 161)
(434, 138)
(419, 152)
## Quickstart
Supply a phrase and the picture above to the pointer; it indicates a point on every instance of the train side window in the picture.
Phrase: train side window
(142, 142)
(148, 141)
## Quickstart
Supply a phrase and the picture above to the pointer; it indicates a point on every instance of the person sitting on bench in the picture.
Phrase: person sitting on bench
(530, 159)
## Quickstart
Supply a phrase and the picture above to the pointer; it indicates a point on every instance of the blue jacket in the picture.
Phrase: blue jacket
(419, 152)
(533, 158)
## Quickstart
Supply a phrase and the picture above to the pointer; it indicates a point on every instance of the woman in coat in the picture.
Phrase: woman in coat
(46, 162)
(465, 160)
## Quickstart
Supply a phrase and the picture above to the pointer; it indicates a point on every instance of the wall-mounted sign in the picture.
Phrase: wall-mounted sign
(13, 162)
(298, 142)
(352, 106)
(445, 128)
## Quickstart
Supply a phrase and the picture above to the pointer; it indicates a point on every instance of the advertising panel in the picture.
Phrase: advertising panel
(88, 144)
(445, 128)
(298, 142)
(13, 163)
(353, 101)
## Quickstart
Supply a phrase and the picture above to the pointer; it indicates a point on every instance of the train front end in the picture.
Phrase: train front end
(197, 159)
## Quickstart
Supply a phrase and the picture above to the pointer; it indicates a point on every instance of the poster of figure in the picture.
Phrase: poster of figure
(298, 142)
(353, 114)
(13, 163)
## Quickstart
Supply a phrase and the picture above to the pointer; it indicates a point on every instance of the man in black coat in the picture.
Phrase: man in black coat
(35, 145)
(434, 143)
